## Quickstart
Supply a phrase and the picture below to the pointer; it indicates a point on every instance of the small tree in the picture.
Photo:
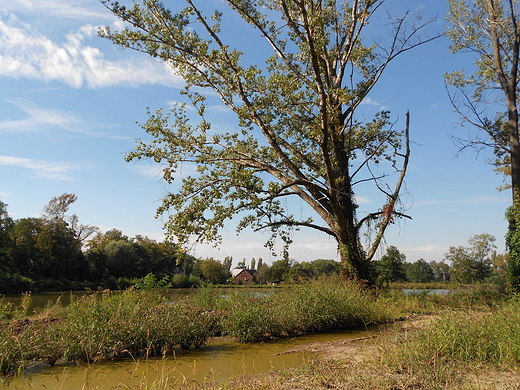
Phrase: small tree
(228, 263)
(213, 271)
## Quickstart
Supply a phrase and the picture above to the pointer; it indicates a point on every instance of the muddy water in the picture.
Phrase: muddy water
(219, 361)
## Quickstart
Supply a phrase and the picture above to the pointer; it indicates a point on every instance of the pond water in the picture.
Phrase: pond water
(219, 361)
(435, 291)
(41, 300)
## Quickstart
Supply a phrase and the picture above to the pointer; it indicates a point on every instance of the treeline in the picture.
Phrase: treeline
(56, 253)
(476, 263)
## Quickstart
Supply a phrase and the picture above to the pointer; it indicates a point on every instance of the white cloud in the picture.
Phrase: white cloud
(70, 9)
(41, 169)
(176, 104)
(361, 199)
(370, 102)
(26, 53)
(221, 108)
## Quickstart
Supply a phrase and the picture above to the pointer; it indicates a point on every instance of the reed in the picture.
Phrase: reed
(324, 304)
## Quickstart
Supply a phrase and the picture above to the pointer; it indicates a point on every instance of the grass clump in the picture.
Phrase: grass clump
(106, 326)
(324, 304)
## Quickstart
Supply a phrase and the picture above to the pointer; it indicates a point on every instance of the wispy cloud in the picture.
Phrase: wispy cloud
(371, 102)
(26, 53)
(41, 169)
(40, 119)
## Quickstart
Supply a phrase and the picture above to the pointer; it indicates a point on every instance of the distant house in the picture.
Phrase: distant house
(244, 276)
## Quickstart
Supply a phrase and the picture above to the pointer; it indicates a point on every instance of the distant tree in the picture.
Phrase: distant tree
(260, 262)
(441, 271)
(253, 263)
(499, 273)
(473, 263)
(60, 253)
(462, 268)
(482, 247)
(99, 240)
(213, 271)
(279, 270)
(299, 271)
(6, 240)
(302, 98)
(391, 267)
(263, 273)
(180, 281)
(242, 264)
(123, 258)
(500, 263)
(419, 272)
(55, 212)
(228, 263)
(325, 267)
(26, 258)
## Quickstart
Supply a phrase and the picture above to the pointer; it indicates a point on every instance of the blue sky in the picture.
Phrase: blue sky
(69, 103)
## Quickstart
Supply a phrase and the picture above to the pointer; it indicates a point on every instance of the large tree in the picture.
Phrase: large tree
(298, 132)
(488, 98)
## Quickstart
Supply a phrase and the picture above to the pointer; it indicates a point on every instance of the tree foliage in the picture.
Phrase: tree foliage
(391, 267)
(298, 133)
(473, 263)
(419, 272)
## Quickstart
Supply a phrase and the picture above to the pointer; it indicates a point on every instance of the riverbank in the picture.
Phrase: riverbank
(395, 359)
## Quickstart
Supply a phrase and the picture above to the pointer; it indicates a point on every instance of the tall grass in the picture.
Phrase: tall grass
(469, 337)
(325, 304)
(106, 326)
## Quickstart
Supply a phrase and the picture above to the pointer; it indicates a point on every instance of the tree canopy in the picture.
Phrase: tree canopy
(298, 135)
